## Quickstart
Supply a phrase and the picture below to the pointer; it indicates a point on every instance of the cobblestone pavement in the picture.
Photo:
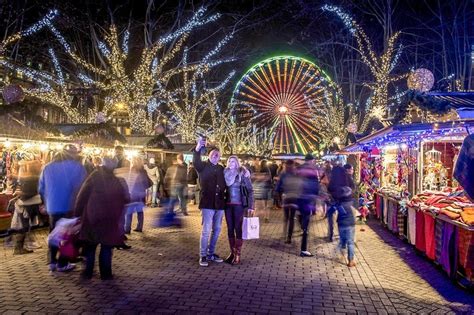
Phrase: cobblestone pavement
(160, 274)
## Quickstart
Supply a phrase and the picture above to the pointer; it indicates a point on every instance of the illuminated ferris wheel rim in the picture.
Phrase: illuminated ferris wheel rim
(256, 66)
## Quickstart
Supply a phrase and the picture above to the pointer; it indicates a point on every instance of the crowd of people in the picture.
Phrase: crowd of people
(106, 196)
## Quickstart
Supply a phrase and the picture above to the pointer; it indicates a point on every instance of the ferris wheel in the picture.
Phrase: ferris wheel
(280, 95)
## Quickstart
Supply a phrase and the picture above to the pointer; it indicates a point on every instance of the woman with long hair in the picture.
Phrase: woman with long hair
(239, 200)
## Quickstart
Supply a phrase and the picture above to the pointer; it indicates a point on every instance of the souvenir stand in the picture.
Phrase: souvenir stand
(18, 155)
(415, 194)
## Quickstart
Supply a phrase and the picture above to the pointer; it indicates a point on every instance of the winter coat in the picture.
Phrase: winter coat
(153, 173)
(100, 204)
(137, 182)
(345, 214)
(212, 182)
(192, 176)
(176, 175)
(59, 183)
(242, 180)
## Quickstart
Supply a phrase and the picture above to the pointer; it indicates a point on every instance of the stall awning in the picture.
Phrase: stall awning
(412, 134)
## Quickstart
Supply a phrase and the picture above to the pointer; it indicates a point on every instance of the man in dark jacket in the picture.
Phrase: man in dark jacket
(212, 201)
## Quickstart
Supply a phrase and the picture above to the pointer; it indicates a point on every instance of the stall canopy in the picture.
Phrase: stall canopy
(412, 134)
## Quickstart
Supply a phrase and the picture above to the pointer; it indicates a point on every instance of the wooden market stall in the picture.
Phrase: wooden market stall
(407, 170)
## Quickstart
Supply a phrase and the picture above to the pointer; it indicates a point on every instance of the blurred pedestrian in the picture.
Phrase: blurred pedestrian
(154, 175)
(176, 181)
(239, 200)
(307, 200)
(137, 182)
(58, 186)
(262, 187)
(289, 186)
(192, 182)
(212, 201)
(341, 187)
(100, 205)
(120, 157)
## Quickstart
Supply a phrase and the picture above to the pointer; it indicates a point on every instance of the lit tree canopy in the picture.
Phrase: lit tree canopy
(381, 66)
(139, 90)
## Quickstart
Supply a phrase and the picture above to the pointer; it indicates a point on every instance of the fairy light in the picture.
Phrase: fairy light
(57, 67)
(103, 49)
(380, 66)
(30, 30)
(126, 36)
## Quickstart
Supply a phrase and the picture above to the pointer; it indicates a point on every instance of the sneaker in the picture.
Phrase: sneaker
(351, 263)
(305, 253)
(52, 267)
(203, 262)
(66, 268)
(215, 258)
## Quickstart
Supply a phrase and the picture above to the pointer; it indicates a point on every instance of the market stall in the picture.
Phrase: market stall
(408, 170)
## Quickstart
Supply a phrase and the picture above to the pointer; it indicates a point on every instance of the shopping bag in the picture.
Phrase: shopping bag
(250, 228)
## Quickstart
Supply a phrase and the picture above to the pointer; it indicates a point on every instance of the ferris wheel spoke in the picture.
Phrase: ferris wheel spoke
(270, 83)
(263, 92)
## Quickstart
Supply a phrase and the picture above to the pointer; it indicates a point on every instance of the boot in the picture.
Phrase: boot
(230, 258)
(19, 245)
(237, 251)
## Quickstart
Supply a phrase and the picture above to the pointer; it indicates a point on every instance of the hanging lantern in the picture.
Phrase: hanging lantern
(13, 93)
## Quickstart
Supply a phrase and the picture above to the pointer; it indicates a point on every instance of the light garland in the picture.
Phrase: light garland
(380, 66)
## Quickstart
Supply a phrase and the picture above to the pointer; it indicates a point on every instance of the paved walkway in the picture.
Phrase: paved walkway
(160, 274)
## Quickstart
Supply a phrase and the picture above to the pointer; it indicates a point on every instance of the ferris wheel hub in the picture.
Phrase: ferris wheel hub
(283, 109)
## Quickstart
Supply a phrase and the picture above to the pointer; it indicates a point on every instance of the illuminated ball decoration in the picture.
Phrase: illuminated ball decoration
(421, 80)
(13, 94)
(279, 95)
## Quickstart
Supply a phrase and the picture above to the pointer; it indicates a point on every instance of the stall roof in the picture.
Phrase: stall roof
(412, 133)
(456, 99)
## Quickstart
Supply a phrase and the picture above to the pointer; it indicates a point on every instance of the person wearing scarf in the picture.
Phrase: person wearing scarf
(239, 200)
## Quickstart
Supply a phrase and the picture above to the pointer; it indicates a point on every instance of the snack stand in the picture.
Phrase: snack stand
(415, 194)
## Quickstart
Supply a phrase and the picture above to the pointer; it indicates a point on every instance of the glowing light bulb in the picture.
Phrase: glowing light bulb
(43, 147)
(283, 109)
(7, 144)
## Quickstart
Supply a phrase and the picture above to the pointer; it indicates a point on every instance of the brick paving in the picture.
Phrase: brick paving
(160, 274)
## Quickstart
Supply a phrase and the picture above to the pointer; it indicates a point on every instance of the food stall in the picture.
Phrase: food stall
(409, 169)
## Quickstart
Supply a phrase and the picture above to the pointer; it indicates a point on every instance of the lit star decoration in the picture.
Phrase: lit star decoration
(381, 66)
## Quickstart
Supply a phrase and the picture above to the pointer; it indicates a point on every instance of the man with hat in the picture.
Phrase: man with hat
(307, 199)
(59, 184)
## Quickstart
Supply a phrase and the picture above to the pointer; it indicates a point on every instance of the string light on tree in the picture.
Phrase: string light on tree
(381, 66)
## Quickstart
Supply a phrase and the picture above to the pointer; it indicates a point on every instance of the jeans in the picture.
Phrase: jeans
(211, 227)
(346, 238)
(105, 259)
(130, 209)
(53, 250)
(154, 191)
(234, 217)
(178, 193)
